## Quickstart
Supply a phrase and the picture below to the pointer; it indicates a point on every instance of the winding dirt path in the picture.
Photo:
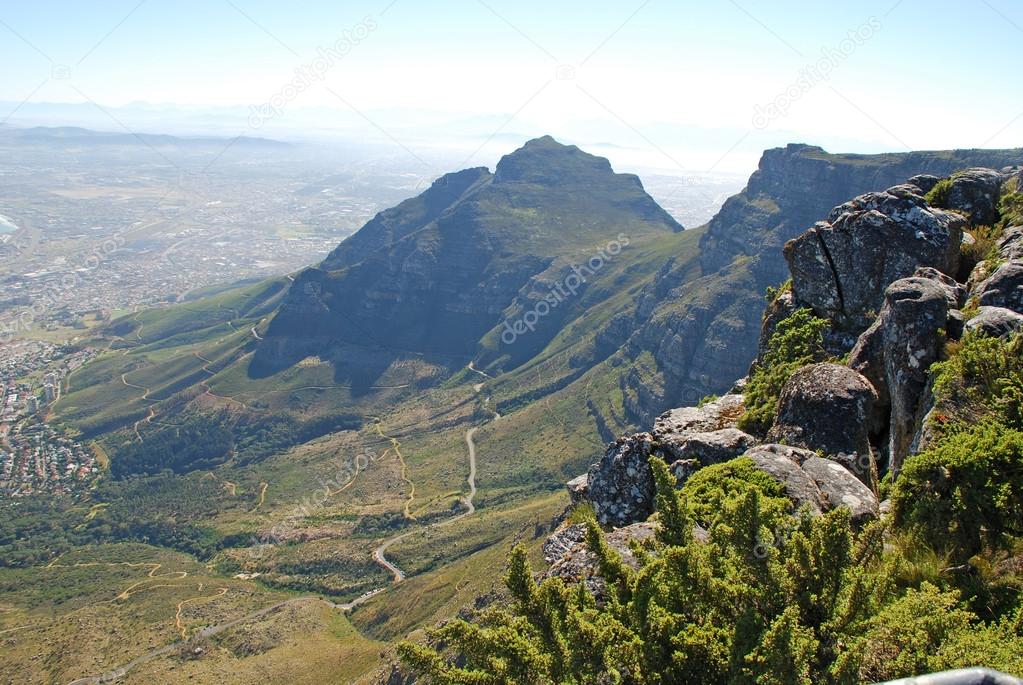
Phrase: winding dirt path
(205, 385)
(380, 553)
(262, 495)
(379, 556)
(396, 446)
(179, 623)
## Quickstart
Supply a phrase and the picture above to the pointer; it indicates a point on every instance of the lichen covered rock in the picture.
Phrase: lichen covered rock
(840, 268)
(975, 192)
(621, 484)
(1004, 288)
(995, 322)
(828, 407)
(814, 482)
(896, 352)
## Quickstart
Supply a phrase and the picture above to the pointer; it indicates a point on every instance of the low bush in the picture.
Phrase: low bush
(798, 340)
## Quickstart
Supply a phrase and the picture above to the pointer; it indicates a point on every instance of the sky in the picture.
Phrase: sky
(688, 85)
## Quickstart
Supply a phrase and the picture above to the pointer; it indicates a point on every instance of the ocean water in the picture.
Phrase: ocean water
(7, 225)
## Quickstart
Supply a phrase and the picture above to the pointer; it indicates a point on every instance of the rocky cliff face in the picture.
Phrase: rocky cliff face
(476, 251)
(703, 334)
(886, 271)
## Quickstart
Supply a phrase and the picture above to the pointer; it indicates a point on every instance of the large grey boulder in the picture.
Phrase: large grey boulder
(814, 482)
(1004, 288)
(839, 488)
(995, 322)
(924, 182)
(708, 448)
(896, 352)
(828, 407)
(841, 267)
(975, 192)
(621, 484)
(1010, 247)
(579, 489)
(724, 412)
(782, 463)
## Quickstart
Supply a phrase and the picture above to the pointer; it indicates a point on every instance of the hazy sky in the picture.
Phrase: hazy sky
(864, 76)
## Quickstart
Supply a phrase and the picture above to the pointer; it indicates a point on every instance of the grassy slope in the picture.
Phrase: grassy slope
(545, 436)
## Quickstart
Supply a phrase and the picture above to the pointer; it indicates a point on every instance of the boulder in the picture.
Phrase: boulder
(782, 463)
(708, 448)
(840, 268)
(995, 322)
(683, 469)
(621, 484)
(815, 482)
(723, 412)
(579, 489)
(840, 488)
(896, 352)
(924, 182)
(975, 192)
(1004, 288)
(828, 407)
(1010, 247)
(955, 292)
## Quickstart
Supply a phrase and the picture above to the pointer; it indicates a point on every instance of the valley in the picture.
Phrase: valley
(309, 467)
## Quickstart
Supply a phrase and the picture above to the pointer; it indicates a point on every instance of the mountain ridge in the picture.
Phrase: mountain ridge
(444, 269)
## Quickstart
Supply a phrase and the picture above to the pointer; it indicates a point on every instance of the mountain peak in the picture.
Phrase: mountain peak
(545, 160)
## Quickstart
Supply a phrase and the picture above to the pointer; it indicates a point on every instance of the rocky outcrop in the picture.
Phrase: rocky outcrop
(925, 182)
(1004, 288)
(709, 448)
(703, 334)
(975, 193)
(995, 322)
(579, 489)
(621, 485)
(896, 352)
(840, 268)
(814, 482)
(828, 407)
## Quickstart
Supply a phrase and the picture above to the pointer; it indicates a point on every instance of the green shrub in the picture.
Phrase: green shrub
(966, 491)
(983, 377)
(938, 195)
(797, 341)
(1010, 206)
(708, 489)
(773, 293)
(806, 602)
(984, 247)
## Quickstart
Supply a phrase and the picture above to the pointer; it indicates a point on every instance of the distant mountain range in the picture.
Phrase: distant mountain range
(77, 135)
